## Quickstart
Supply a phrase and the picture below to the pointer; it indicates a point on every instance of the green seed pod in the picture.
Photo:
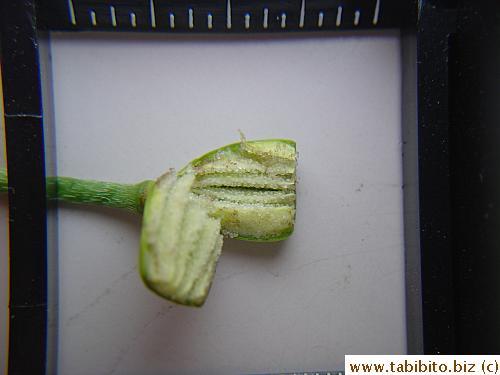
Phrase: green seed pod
(245, 190)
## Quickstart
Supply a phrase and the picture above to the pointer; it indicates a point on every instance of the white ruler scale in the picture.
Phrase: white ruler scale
(224, 15)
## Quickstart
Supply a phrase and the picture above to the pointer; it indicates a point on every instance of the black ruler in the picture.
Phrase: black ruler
(228, 16)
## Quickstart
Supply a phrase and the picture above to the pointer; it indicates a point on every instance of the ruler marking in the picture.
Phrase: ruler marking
(283, 20)
(302, 13)
(247, 21)
(265, 22)
(356, 17)
(339, 16)
(321, 16)
(376, 12)
(113, 15)
(71, 10)
(209, 21)
(133, 19)
(93, 18)
(171, 20)
(190, 18)
(153, 15)
(228, 14)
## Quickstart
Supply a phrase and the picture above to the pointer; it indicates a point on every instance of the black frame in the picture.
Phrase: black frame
(456, 246)
(27, 205)
(458, 116)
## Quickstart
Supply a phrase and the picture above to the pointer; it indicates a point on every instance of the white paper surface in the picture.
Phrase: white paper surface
(127, 108)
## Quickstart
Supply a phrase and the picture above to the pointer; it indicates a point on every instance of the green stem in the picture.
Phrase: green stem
(3, 180)
(130, 197)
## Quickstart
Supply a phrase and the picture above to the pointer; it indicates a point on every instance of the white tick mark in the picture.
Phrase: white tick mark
(171, 20)
(71, 9)
(152, 11)
(93, 18)
(339, 16)
(190, 18)
(247, 21)
(376, 12)
(209, 21)
(133, 19)
(113, 15)
(320, 19)
(265, 23)
(302, 13)
(228, 14)
(356, 18)
(283, 20)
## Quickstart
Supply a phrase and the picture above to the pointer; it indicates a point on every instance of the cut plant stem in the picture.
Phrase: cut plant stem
(244, 190)
(130, 197)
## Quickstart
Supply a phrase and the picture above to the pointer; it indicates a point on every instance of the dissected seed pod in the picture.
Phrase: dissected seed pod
(244, 190)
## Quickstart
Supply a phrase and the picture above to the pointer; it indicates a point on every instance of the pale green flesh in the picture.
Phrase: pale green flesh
(250, 186)
(247, 181)
(179, 251)
(247, 219)
(200, 289)
(250, 196)
(232, 163)
(189, 243)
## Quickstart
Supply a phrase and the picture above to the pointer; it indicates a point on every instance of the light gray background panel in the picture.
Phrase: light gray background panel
(129, 107)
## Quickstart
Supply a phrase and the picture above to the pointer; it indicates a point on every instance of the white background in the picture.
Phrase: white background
(129, 107)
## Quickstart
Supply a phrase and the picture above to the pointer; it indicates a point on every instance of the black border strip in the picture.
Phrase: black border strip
(474, 75)
(458, 91)
(439, 326)
(27, 205)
